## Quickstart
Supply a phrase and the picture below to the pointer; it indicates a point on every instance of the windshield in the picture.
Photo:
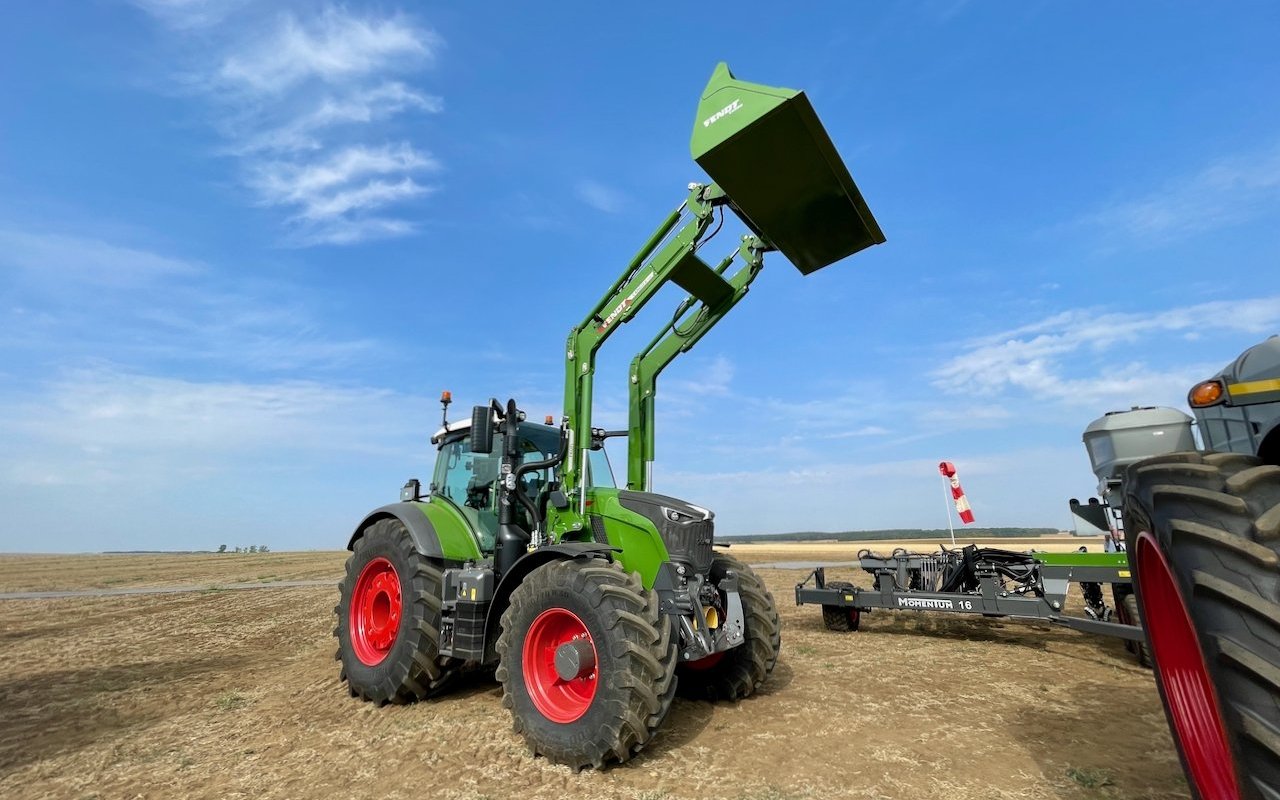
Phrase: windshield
(599, 471)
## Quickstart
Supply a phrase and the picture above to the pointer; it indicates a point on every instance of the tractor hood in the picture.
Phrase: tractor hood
(686, 530)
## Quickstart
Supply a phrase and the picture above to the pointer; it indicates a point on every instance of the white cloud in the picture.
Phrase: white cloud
(601, 197)
(189, 14)
(1033, 358)
(162, 462)
(98, 299)
(302, 132)
(337, 189)
(352, 231)
(78, 260)
(713, 381)
(103, 412)
(297, 98)
(335, 47)
(1226, 192)
(1011, 488)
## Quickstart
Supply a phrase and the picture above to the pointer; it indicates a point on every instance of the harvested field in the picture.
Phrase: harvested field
(235, 694)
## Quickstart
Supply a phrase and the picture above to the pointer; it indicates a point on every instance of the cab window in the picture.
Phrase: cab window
(468, 480)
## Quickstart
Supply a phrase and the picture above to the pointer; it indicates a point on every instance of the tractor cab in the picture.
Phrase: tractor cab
(467, 481)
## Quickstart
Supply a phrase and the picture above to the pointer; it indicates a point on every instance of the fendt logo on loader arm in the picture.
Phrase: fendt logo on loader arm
(624, 305)
(724, 112)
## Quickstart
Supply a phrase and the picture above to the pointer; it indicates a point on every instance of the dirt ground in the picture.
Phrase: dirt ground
(234, 694)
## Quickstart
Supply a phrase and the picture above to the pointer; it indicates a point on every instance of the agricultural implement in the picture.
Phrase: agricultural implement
(1202, 529)
(594, 604)
(975, 580)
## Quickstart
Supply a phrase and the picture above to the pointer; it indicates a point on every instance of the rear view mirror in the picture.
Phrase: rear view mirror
(481, 429)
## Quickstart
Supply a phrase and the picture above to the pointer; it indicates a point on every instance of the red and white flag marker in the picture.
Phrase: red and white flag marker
(948, 471)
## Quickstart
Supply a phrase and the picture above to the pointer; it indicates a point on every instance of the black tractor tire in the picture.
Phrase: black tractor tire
(739, 672)
(1134, 617)
(841, 618)
(634, 653)
(410, 583)
(1203, 533)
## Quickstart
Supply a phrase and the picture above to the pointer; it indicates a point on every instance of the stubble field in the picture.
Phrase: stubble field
(227, 693)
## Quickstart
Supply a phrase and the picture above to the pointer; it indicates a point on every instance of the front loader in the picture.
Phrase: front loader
(594, 604)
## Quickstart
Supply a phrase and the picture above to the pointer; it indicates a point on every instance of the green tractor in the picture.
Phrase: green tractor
(1202, 531)
(593, 603)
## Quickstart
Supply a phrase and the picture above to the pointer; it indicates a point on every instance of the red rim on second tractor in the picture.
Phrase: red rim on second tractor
(1188, 689)
(375, 611)
(559, 663)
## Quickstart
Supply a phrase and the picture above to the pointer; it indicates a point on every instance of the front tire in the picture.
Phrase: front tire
(739, 672)
(586, 661)
(1202, 535)
(389, 619)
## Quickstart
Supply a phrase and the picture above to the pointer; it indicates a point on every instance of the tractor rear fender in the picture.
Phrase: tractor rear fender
(543, 555)
(436, 531)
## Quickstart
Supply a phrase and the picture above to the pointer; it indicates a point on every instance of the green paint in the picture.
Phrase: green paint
(642, 547)
(456, 539)
(1120, 560)
(766, 148)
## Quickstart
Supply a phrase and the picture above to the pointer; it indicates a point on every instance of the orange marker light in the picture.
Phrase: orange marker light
(550, 419)
(446, 397)
(1205, 393)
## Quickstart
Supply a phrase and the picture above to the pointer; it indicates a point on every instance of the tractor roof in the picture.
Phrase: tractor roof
(464, 425)
(1260, 362)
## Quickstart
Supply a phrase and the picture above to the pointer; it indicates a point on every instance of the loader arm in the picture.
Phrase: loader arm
(667, 256)
(670, 342)
(773, 165)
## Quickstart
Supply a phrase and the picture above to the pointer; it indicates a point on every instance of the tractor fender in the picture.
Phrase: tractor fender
(563, 551)
(421, 531)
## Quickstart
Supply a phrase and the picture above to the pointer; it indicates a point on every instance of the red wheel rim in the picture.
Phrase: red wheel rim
(375, 611)
(1193, 703)
(855, 616)
(557, 699)
(706, 662)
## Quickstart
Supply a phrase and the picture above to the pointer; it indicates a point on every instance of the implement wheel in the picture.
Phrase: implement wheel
(1134, 617)
(389, 619)
(738, 672)
(841, 618)
(586, 662)
(1202, 535)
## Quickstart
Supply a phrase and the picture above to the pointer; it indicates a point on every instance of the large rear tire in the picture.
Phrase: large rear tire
(1202, 535)
(389, 619)
(586, 661)
(737, 673)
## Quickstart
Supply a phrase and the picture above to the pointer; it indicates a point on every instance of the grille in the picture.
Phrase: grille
(689, 543)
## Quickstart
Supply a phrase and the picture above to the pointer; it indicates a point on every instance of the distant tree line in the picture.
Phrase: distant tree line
(890, 533)
(253, 548)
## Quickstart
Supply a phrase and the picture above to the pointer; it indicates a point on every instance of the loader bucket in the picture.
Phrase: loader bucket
(767, 150)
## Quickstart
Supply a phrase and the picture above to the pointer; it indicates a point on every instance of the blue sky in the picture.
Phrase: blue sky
(244, 246)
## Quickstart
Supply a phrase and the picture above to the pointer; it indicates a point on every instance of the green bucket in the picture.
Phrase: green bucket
(767, 150)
